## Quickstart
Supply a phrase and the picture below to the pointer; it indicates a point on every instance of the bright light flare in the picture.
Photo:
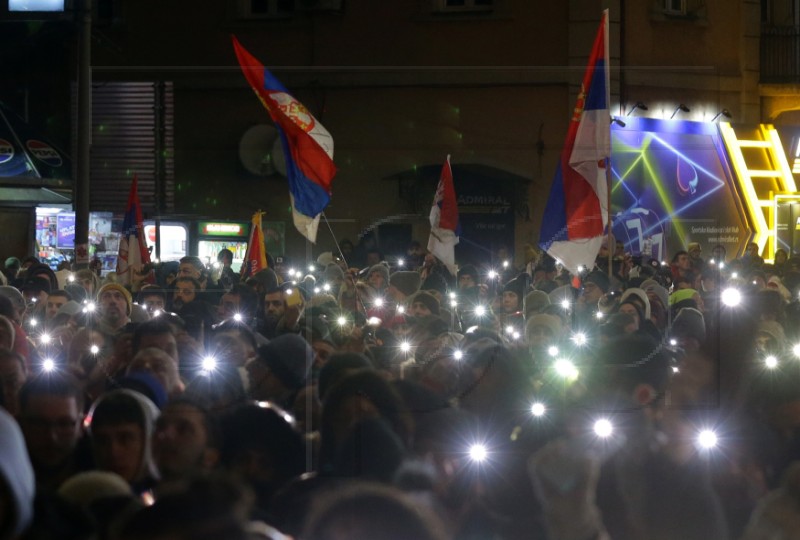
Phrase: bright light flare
(45, 338)
(580, 339)
(603, 428)
(796, 350)
(492, 274)
(94, 349)
(90, 307)
(771, 361)
(731, 297)
(48, 364)
(458, 355)
(33, 322)
(478, 453)
(401, 262)
(342, 321)
(505, 264)
(312, 268)
(401, 309)
(70, 278)
(405, 346)
(538, 409)
(378, 302)
(209, 363)
(509, 329)
(599, 315)
(673, 342)
(453, 303)
(237, 317)
(565, 304)
(480, 311)
(566, 369)
(326, 287)
(707, 439)
(317, 290)
(552, 350)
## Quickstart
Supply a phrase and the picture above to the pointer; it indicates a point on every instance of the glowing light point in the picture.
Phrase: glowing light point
(516, 335)
(401, 309)
(735, 275)
(237, 317)
(292, 272)
(48, 364)
(94, 349)
(796, 350)
(405, 346)
(603, 428)
(401, 262)
(771, 362)
(581, 268)
(509, 329)
(538, 409)
(673, 342)
(45, 338)
(579, 339)
(599, 315)
(342, 321)
(458, 355)
(378, 302)
(552, 350)
(566, 369)
(731, 297)
(312, 268)
(478, 453)
(454, 303)
(452, 296)
(707, 439)
(492, 274)
(505, 264)
(565, 304)
(209, 363)
(326, 287)
(722, 266)
(317, 290)
(33, 322)
(156, 313)
(90, 307)
(675, 369)
(480, 311)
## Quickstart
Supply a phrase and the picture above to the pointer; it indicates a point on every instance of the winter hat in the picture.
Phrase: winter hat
(640, 294)
(551, 322)
(598, 278)
(468, 270)
(689, 322)
(267, 278)
(16, 473)
(428, 300)
(13, 262)
(13, 294)
(83, 489)
(680, 295)
(332, 272)
(382, 269)
(559, 294)
(289, 357)
(407, 282)
(434, 282)
(76, 292)
(36, 284)
(325, 258)
(117, 287)
(651, 285)
(518, 286)
(773, 329)
(535, 301)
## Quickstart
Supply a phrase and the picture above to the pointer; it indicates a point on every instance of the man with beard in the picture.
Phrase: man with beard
(279, 316)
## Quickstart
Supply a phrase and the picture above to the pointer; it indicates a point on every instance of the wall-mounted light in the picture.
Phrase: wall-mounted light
(724, 112)
(639, 105)
(682, 108)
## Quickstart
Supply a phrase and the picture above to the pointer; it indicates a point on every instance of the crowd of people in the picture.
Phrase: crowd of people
(355, 399)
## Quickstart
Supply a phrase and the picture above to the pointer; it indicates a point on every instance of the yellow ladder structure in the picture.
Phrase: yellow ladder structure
(761, 171)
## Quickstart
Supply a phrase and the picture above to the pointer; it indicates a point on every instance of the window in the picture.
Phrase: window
(461, 6)
(675, 7)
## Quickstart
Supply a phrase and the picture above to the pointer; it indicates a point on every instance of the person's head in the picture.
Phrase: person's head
(35, 290)
(261, 447)
(689, 329)
(114, 305)
(225, 257)
(274, 303)
(186, 440)
(467, 277)
(17, 483)
(192, 267)
(186, 290)
(16, 300)
(153, 298)
(88, 280)
(695, 250)
(513, 293)
(12, 376)
(403, 284)
(633, 309)
(233, 342)
(7, 333)
(55, 300)
(241, 300)
(281, 368)
(718, 253)
(374, 257)
(423, 304)
(543, 330)
(681, 261)
(156, 333)
(595, 285)
(751, 250)
(50, 413)
(161, 366)
(378, 276)
(781, 256)
(121, 426)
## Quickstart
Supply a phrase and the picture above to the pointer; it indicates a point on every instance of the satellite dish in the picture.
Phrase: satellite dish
(256, 149)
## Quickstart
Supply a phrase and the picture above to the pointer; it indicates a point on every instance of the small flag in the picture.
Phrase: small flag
(133, 253)
(255, 259)
(307, 145)
(444, 220)
(577, 209)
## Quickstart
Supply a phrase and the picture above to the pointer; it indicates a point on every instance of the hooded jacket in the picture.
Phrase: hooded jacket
(16, 472)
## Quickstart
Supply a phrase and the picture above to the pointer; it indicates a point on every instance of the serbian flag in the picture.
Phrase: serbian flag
(255, 259)
(577, 209)
(307, 145)
(444, 220)
(133, 253)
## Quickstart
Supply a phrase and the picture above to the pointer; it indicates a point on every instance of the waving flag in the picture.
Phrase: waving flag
(444, 220)
(307, 145)
(577, 209)
(133, 253)
(255, 259)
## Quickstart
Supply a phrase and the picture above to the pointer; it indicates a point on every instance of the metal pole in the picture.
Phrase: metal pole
(84, 120)
(159, 163)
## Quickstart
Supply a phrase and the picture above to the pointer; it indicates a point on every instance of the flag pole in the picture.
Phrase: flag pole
(608, 213)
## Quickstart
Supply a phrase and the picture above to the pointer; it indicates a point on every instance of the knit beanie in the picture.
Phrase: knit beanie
(332, 272)
(117, 287)
(536, 301)
(406, 281)
(434, 282)
(518, 286)
(468, 270)
(428, 300)
(689, 322)
(551, 322)
(289, 357)
(773, 329)
(598, 278)
(380, 268)
(13, 294)
(652, 286)
(681, 295)
(267, 278)
(641, 295)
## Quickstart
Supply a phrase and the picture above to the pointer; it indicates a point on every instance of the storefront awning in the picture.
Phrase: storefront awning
(31, 196)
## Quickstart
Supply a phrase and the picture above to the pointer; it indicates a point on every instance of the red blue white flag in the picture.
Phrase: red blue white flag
(444, 220)
(307, 145)
(133, 253)
(577, 209)
(255, 259)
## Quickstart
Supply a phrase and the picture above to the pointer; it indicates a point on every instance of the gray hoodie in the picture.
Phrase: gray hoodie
(16, 472)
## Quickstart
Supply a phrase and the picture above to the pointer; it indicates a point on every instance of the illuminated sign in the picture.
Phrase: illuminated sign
(209, 228)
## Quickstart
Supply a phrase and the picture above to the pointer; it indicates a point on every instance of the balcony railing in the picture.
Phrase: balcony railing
(780, 54)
